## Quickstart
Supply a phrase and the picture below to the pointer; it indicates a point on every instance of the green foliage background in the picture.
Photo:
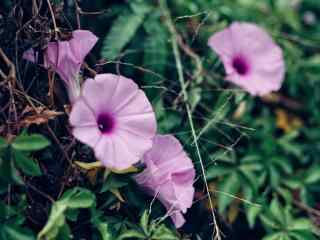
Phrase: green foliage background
(261, 155)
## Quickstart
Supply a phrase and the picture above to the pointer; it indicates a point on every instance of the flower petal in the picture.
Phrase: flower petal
(261, 55)
(81, 43)
(138, 105)
(88, 135)
(169, 176)
(114, 153)
(98, 92)
(222, 43)
(134, 123)
(137, 145)
(177, 219)
(81, 115)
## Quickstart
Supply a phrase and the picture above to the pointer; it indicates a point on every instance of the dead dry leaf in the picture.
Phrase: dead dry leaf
(286, 121)
(38, 116)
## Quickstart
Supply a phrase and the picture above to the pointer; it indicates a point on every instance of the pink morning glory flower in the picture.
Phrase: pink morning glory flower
(251, 58)
(66, 58)
(115, 118)
(169, 176)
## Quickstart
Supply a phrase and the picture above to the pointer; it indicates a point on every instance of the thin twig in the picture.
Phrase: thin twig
(277, 98)
(59, 144)
(3, 76)
(90, 70)
(11, 78)
(40, 192)
(56, 29)
(198, 64)
(78, 9)
(306, 208)
(214, 119)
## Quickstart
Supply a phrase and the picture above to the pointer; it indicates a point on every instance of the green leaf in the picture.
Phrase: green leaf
(8, 173)
(283, 164)
(286, 194)
(302, 235)
(293, 183)
(221, 107)
(55, 222)
(250, 180)
(26, 165)
(72, 214)
(268, 221)
(105, 231)
(78, 198)
(3, 143)
(140, 6)
(230, 186)
(144, 221)
(131, 234)
(274, 236)
(122, 31)
(156, 50)
(277, 211)
(114, 181)
(300, 224)
(286, 142)
(13, 232)
(217, 170)
(313, 175)
(72, 199)
(64, 233)
(194, 97)
(32, 142)
(252, 214)
(104, 228)
(274, 176)
(163, 233)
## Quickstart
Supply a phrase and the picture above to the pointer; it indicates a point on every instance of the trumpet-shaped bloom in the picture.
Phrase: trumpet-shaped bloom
(251, 58)
(115, 118)
(169, 176)
(66, 58)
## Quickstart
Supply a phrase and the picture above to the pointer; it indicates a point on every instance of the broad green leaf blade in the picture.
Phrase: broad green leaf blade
(81, 198)
(8, 173)
(26, 165)
(277, 212)
(55, 222)
(72, 199)
(32, 142)
(105, 231)
(252, 214)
